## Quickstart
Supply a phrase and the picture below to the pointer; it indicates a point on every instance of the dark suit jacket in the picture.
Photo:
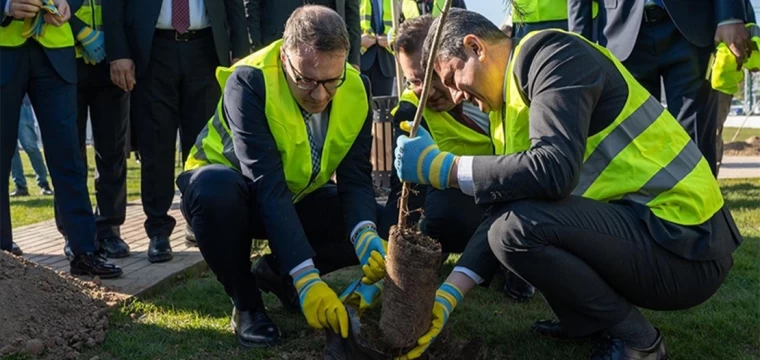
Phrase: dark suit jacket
(63, 60)
(620, 20)
(130, 25)
(261, 162)
(267, 18)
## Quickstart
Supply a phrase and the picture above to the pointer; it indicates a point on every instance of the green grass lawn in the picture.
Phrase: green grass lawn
(35, 208)
(191, 319)
(728, 133)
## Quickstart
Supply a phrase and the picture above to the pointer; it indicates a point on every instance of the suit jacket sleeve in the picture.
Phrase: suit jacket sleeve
(579, 17)
(253, 17)
(554, 76)
(114, 28)
(260, 161)
(239, 44)
(729, 9)
(76, 23)
(354, 31)
(354, 175)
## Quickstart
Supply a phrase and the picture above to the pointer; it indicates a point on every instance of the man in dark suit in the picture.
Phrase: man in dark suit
(261, 169)
(377, 62)
(266, 21)
(45, 68)
(668, 41)
(171, 49)
(597, 197)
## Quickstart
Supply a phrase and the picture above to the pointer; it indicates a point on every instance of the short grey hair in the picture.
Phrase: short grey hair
(315, 28)
(460, 23)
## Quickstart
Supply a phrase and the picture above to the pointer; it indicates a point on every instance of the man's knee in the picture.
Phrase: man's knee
(212, 188)
(513, 229)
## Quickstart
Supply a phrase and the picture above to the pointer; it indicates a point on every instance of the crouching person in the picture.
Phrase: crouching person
(291, 115)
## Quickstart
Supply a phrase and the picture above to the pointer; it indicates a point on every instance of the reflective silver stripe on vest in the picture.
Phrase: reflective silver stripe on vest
(200, 153)
(228, 148)
(754, 30)
(667, 178)
(366, 18)
(616, 141)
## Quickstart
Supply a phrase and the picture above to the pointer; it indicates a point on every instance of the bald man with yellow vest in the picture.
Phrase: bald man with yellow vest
(596, 195)
(292, 114)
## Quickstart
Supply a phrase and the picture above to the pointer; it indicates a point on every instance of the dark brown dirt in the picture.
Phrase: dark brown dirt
(749, 147)
(46, 313)
(412, 272)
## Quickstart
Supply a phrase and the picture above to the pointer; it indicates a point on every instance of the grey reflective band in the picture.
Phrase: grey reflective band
(228, 148)
(200, 154)
(366, 18)
(667, 178)
(616, 141)
(754, 30)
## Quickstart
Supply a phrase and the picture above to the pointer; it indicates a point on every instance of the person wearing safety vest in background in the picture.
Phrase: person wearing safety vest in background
(597, 196)
(726, 77)
(291, 115)
(542, 14)
(376, 22)
(37, 58)
(108, 108)
(451, 217)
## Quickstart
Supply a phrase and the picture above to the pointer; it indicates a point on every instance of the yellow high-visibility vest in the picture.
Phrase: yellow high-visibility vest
(54, 38)
(536, 11)
(449, 134)
(644, 155)
(214, 144)
(92, 15)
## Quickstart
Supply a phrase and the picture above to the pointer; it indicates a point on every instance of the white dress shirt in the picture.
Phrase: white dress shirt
(198, 16)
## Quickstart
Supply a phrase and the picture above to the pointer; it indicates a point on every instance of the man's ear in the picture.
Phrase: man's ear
(474, 46)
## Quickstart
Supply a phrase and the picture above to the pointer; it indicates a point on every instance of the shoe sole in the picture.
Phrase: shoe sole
(102, 276)
(117, 256)
(160, 259)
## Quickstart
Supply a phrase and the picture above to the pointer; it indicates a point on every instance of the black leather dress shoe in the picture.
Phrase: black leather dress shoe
(114, 247)
(46, 190)
(92, 264)
(189, 233)
(159, 250)
(15, 250)
(281, 286)
(254, 329)
(616, 349)
(553, 329)
(516, 288)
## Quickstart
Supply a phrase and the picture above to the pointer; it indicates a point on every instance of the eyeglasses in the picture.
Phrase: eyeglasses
(307, 84)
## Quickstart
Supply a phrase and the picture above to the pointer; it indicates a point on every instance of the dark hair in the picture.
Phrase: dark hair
(460, 23)
(411, 34)
(315, 28)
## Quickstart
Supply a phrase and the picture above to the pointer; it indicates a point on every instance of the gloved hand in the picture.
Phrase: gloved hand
(446, 299)
(419, 160)
(371, 250)
(362, 296)
(320, 304)
(724, 75)
(93, 45)
(35, 27)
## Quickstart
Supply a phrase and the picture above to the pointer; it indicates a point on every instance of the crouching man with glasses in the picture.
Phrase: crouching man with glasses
(291, 115)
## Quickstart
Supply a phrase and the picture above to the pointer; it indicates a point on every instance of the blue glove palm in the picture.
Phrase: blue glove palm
(93, 45)
(362, 296)
(370, 250)
(420, 161)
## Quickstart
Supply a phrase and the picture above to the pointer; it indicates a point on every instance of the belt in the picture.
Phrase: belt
(654, 13)
(190, 35)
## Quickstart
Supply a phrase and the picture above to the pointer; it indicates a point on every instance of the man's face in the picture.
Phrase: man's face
(313, 78)
(478, 78)
(439, 98)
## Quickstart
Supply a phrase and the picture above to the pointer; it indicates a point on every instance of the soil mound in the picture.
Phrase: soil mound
(749, 147)
(46, 313)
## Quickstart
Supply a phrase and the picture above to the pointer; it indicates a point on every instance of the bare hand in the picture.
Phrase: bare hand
(123, 74)
(22, 9)
(368, 40)
(63, 9)
(382, 40)
(736, 38)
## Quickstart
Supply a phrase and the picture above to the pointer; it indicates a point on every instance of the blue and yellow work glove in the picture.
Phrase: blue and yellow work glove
(370, 250)
(93, 45)
(35, 27)
(319, 304)
(362, 296)
(420, 161)
(446, 299)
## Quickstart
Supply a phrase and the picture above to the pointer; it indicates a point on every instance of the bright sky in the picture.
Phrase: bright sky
(494, 10)
(755, 4)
